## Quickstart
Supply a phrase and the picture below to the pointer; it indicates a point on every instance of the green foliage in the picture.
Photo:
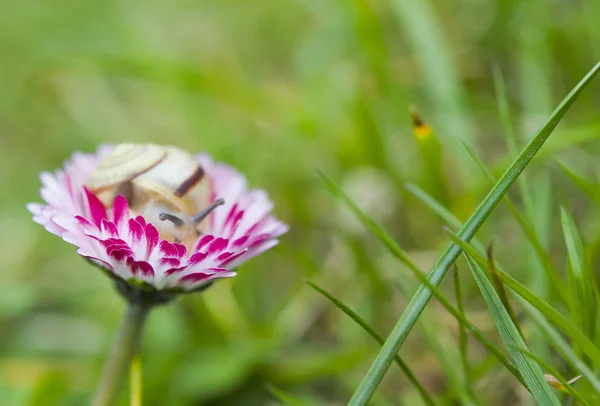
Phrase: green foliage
(579, 339)
(530, 371)
(399, 254)
(581, 282)
(419, 301)
(377, 337)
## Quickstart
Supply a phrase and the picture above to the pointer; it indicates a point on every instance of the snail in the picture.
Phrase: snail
(159, 182)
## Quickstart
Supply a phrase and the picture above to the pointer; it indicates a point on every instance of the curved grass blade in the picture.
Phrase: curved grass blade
(455, 223)
(531, 372)
(493, 349)
(500, 291)
(540, 266)
(586, 186)
(542, 256)
(566, 385)
(582, 304)
(574, 136)
(377, 337)
(418, 302)
(591, 189)
(436, 336)
(562, 346)
(463, 338)
(398, 253)
(434, 205)
(504, 109)
(550, 312)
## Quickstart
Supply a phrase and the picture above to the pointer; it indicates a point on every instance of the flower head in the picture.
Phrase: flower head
(156, 215)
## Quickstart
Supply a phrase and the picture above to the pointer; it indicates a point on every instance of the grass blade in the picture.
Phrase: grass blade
(434, 205)
(499, 287)
(531, 372)
(436, 336)
(587, 187)
(504, 110)
(377, 337)
(582, 305)
(591, 189)
(462, 331)
(550, 312)
(562, 346)
(398, 253)
(541, 259)
(566, 385)
(416, 305)
(455, 223)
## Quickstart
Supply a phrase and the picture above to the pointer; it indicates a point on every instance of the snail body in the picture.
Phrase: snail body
(154, 179)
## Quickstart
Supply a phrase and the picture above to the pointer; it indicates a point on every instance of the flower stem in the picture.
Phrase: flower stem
(126, 344)
(135, 379)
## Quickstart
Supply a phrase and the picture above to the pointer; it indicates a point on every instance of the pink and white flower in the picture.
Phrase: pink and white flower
(131, 246)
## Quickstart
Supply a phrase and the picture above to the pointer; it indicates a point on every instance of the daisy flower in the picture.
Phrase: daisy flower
(157, 216)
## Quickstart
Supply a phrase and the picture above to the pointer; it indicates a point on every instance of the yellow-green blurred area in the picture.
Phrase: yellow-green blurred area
(283, 91)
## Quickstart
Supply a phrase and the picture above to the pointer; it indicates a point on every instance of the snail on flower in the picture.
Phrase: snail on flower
(163, 183)
(157, 215)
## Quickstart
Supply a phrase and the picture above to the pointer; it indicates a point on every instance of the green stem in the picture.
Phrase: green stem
(135, 379)
(125, 346)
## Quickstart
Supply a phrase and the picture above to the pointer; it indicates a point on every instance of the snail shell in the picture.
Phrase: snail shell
(154, 179)
(124, 163)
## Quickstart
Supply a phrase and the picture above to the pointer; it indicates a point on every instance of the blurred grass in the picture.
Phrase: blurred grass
(281, 92)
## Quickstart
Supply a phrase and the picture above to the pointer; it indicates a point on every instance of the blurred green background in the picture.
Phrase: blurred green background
(283, 90)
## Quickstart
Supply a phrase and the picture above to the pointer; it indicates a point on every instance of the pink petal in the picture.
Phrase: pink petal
(195, 277)
(141, 220)
(236, 222)
(203, 241)
(136, 230)
(34, 208)
(120, 209)
(84, 222)
(240, 241)
(97, 210)
(224, 256)
(109, 228)
(217, 245)
(152, 237)
(198, 257)
(170, 261)
(113, 247)
(120, 254)
(172, 249)
(174, 270)
(181, 250)
(232, 258)
(259, 239)
(219, 270)
(231, 214)
(140, 267)
(257, 249)
(113, 241)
